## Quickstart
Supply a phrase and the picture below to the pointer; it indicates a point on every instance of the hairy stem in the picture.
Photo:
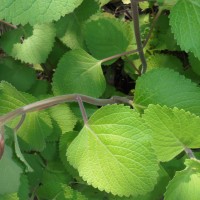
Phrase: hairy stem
(46, 103)
(134, 8)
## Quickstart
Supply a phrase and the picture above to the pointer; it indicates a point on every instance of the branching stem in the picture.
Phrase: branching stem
(82, 109)
(46, 103)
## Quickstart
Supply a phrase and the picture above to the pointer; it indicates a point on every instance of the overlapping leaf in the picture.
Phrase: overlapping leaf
(113, 36)
(171, 131)
(113, 152)
(36, 11)
(78, 72)
(70, 27)
(34, 48)
(166, 87)
(185, 23)
(37, 125)
(185, 184)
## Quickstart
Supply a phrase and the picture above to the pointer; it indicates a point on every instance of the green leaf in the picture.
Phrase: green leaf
(70, 27)
(35, 48)
(65, 141)
(16, 73)
(35, 161)
(185, 23)
(171, 131)
(78, 72)
(195, 63)
(113, 152)
(63, 115)
(185, 184)
(166, 87)
(103, 2)
(163, 34)
(37, 125)
(10, 173)
(113, 36)
(166, 61)
(36, 11)
(59, 191)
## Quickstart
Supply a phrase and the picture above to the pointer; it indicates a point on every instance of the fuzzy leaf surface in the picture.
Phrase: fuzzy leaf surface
(37, 125)
(167, 87)
(117, 136)
(35, 48)
(171, 131)
(36, 11)
(185, 184)
(78, 72)
(185, 23)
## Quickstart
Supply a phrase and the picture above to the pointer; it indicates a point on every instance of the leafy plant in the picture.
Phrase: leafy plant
(67, 131)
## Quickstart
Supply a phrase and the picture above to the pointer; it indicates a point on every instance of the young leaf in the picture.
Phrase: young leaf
(16, 73)
(34, 49)
(10, 173)
(112, 38)
(185, 184)
(185, 23)
(37, 125)
(171, 131)
(113, 152)
(78, 72)
(166, 87)
(36, 11)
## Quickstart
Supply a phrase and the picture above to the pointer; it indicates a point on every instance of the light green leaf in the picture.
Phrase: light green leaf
(78, 72)
(70, 27)
(166, 61)
(63, 115)
(113, 152)
(35, 48)
(171, 131)
(166, 87)
(113, 36)
(37, 125)
(16, 73)
(36, 11)
(10, 173)
(185, 23)
(185, 184)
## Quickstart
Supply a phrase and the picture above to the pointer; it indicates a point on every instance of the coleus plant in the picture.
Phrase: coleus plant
(144, 147)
